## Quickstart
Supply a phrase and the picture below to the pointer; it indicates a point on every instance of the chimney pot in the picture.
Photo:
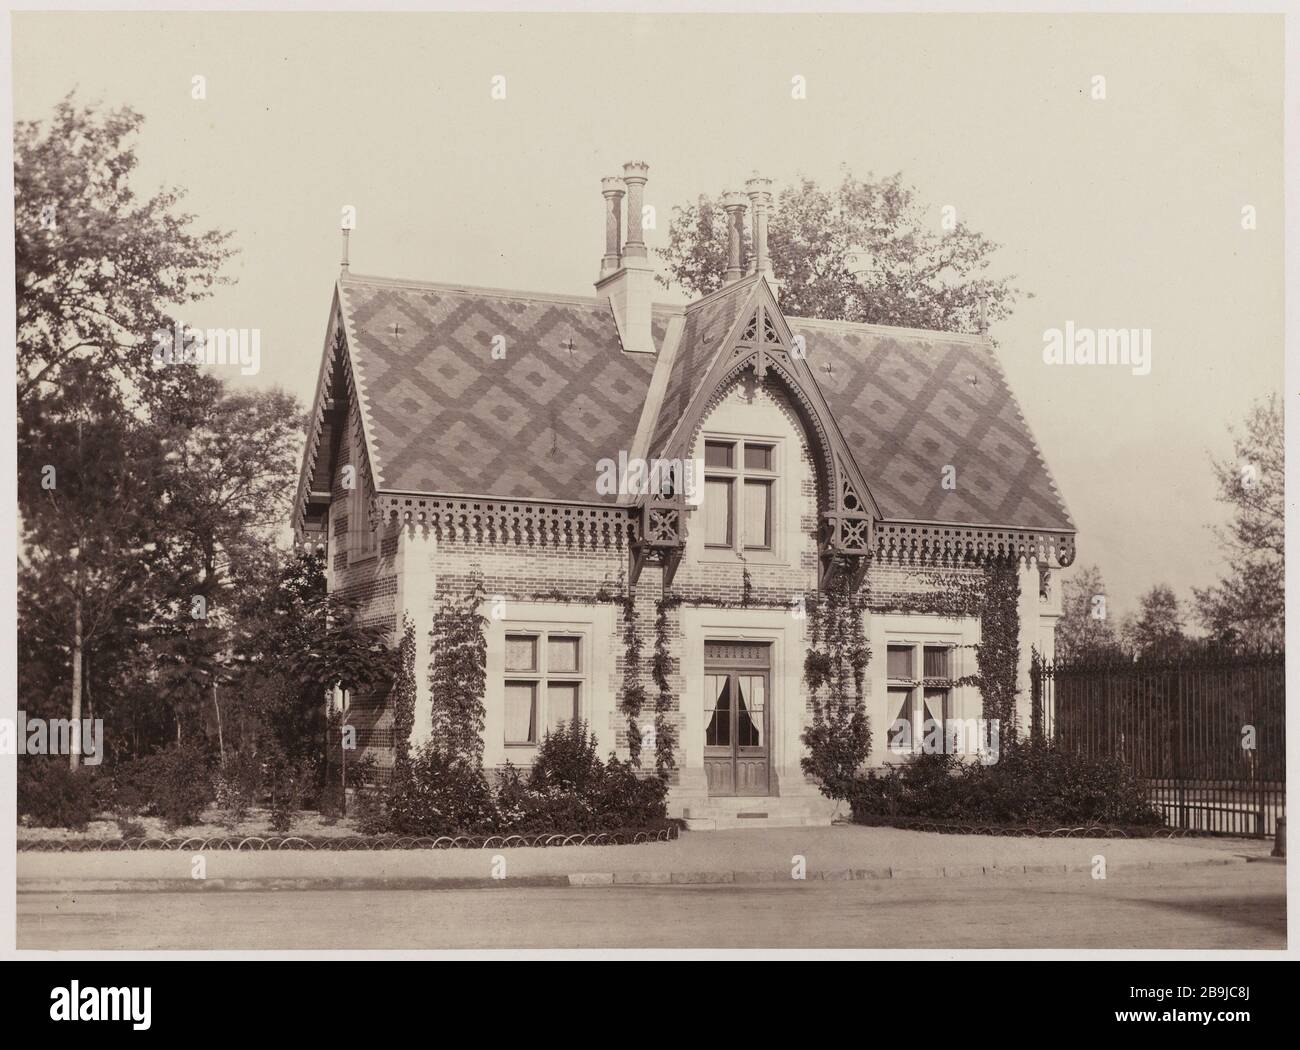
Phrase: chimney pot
(760, 198)
(735, 204)
(634, 175)
(612, 190)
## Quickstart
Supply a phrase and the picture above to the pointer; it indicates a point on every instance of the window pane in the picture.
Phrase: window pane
(899, 662)
(758, 457)
(521, 713)
(561, 704)
(717, 709)
(758, 514)
(936, 661)
(900, 730)
(717, 512)
(719, 454)
(521, 652)
(561, 654)
(936, 706)
(749, 710)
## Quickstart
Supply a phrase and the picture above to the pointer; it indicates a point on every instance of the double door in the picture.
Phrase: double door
(737, 680)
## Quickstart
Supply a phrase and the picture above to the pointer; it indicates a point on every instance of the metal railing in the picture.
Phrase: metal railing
(1207, 734)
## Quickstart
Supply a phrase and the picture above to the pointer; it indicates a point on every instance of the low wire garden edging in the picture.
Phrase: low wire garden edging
(1082, 831)
(236, 843)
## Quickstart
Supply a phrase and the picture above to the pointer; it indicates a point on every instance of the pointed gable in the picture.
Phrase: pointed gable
(741, 328)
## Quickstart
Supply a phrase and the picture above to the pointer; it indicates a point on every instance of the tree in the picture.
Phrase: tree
(1156, 632)
(230, 482)
(1085, 630)
(297, 640)
(96, 268)
(863, 251)
(90, 482)
(1249, 605)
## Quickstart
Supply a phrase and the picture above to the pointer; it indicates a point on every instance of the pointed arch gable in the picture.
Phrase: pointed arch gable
(337, 415)
(760, 342)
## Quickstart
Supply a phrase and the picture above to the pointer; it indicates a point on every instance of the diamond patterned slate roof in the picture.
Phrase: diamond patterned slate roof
(910, 403)
(446, 416)
(706, 327)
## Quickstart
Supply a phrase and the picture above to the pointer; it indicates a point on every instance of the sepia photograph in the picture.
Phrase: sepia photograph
(648, 483)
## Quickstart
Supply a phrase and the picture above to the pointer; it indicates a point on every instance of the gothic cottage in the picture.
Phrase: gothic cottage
(472, 435)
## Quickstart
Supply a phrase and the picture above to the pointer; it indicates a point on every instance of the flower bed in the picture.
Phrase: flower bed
(625, 837)
(1083, 831)
(1031, 785)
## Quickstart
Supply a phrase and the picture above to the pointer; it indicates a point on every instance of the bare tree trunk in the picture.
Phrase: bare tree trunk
(74, 754)
(221, 742)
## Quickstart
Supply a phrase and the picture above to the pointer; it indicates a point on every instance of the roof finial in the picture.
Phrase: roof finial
(343, 263)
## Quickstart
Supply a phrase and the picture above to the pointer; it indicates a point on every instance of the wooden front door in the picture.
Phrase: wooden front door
(736, 719)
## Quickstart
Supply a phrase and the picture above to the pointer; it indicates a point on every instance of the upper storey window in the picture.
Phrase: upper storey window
(740, 478)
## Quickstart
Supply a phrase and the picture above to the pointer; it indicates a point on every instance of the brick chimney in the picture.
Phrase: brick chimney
(760, 199)
(627, 276)
(735, 204)
(612, 188)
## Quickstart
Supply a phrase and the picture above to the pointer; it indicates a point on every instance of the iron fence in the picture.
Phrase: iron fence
(1207, 735)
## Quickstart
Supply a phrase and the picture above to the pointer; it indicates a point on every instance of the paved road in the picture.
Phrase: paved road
(1211, 907)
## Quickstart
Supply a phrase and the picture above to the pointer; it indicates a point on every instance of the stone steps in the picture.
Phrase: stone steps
(723, 813)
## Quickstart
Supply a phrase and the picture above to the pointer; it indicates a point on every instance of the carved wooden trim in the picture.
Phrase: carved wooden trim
(509, 521)
(904, 543)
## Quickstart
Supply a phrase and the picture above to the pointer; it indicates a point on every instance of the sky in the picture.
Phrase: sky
(1115, 212)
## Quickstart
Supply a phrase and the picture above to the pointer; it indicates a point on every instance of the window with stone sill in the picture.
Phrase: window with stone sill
(545, 680)
(920, 678)
(740, 495)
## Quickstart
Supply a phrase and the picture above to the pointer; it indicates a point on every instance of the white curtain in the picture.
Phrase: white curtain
(521, 712)
(717, 512)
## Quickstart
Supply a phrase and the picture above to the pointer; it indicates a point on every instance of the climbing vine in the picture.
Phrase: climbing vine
(404, 694)
(838, 739)
(951, 594)
(665, 700)
(997, 653)
(633, 698)
(458, 674)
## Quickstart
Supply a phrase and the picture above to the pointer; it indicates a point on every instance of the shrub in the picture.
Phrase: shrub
(237, 786)
(53, 796)
(438, 793)
(838, 743)
(1034, 783)
(570, 789)
(631, 801)
(568, 760)
(288, 782)
(176, 781)
(123, 789)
